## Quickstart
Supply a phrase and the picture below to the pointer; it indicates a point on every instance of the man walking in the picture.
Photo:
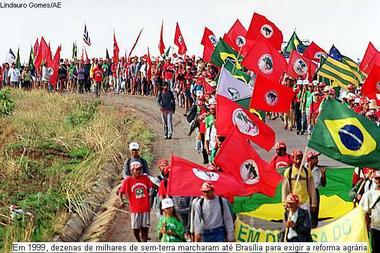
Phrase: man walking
(212, 217)
(134, 148)
(167, 106)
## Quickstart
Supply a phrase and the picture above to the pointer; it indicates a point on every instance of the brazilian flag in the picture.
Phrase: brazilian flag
(224, 53)
(346, 136)
(237, 73)
(294, 43)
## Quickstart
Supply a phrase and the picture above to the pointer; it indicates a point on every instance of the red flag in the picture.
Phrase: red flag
(370, 52)
(264, 59)
(186, 179)
(53, 64)
(371, 86)
(314, 52)
(261, 29)
(161, 45)
(298, 65)
(43, 54)
(375, 61)
(246, 166)
(115, 50)
(236, 38)
(209, 42)
(312, 70)
(35, 47)
(149, 68)
(179, 41)
(134, 44)
(271, 96)
(230, 114)
(206, 85)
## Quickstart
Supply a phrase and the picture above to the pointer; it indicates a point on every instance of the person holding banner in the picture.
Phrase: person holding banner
(370, 203)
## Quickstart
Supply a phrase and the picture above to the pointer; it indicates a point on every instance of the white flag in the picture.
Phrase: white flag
(11, 58)
(232, 88)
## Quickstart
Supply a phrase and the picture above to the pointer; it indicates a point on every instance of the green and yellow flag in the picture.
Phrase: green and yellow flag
(346, 136)
(237, 73)
(341, 72)
(223, 53)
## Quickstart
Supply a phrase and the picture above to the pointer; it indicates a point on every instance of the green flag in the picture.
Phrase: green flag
(346, 136)
(75, 51)
(31, 58)
(18, 62)
(294, 43)
(335, 200)
(224, 53)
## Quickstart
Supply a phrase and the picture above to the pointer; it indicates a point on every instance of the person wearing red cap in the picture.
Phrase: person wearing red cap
(319, 176)
(212, 219)
(136, 188)
(298, 224)
(282, 159)
(370, 203)
(299, 180)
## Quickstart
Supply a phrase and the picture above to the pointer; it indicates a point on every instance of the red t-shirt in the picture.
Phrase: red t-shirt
(281, 161)
(137, 191)
(98, 74)
(162, 190)
(168, 71)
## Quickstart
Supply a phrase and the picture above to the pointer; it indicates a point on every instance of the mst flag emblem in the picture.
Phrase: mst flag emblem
(300, 67)
(265, 64)
(205, 175)
(249, 172)
(350, 136)
(271, 98)
(213, 39)
(266, 31)
(240, 41)
(233, 94)
(243, 123)
(318, 55)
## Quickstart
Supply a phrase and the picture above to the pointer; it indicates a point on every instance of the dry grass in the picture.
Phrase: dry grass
(42, 151)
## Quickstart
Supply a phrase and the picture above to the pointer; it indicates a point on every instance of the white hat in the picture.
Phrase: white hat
(212, 101)
(135, 165)
(315, 82)
(166, 203)
(134, 145)
(299, 82)
(305, 82)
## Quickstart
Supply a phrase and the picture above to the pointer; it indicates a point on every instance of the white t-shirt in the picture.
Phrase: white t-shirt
(368, 200)
(14, 75)
(210, 136)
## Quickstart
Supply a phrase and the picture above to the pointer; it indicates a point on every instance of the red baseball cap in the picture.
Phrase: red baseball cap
(297, 153)
(279, 145)
(292, 198)
(312, 154)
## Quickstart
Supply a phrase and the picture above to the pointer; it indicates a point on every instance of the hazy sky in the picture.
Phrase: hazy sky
(349, 24)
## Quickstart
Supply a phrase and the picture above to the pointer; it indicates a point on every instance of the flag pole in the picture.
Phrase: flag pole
(239, 53)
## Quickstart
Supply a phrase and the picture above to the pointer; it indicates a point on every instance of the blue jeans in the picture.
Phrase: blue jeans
(167, 121)
(214, 235)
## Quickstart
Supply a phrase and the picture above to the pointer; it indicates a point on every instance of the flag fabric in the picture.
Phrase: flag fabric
(314, 52)
(230, 114)
(11, 58)
(262, 29)
(335, 54)
(271, 96)
(246, 166)
(18, 60)
(334, 203)
(347, 136)
(371, 86)
(232, 88)
(265, 60)
(115, 50)
(134, 44)
(186, 179)
(107, 54)
(223, 53)
(340, 72)
(75, 51)
(179, 41)
(161, 45)
(294, 43)
(370, 52)
(35, 47)
(53, 65)
(209, 42)
(149, 68)
(298, 65)
(236, 38)
(31, 58)
(354, 68)
(43, 54)
(237, 73)
(86, 37)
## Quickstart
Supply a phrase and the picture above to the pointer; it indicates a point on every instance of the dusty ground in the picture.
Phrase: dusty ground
(113, 225)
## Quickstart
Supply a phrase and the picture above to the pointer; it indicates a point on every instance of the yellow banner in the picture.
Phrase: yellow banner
(349, 228)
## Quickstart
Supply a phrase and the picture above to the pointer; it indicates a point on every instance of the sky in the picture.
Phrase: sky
(348, 24)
